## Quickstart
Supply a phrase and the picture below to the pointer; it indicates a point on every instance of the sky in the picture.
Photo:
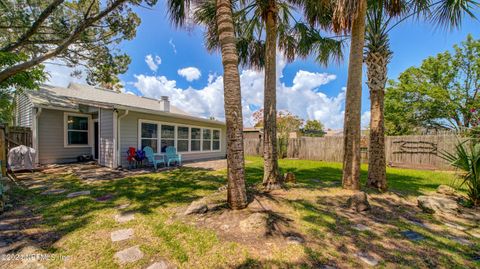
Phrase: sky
(173, 62)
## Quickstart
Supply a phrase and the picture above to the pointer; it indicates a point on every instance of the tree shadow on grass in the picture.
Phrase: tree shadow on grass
(146, 193)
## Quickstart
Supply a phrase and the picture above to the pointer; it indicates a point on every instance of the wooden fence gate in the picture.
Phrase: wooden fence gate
(11, 137)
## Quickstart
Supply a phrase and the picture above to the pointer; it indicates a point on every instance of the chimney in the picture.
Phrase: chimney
(164, 104)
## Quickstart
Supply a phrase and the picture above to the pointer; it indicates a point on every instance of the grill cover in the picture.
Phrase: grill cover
(21, 158)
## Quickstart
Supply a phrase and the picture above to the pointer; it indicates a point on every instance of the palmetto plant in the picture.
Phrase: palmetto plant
(382, 17)
(262, 27)
(467, 159)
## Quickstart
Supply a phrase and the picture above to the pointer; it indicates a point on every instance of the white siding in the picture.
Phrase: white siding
(106, 143)
(51, 147)
(129, 135)
(23, 111)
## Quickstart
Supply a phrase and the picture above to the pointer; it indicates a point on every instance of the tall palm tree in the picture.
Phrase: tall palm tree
(272, 19)
(380, 21)
(236, 191)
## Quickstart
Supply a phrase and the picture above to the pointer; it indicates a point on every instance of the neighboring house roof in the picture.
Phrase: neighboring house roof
(252, 129)
(78, 94)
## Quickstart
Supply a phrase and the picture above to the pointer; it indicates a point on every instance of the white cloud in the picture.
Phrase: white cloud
(60, 74)
(365, 120)
(173, 45)
(153, 62)
(190, 73)
(303, 98)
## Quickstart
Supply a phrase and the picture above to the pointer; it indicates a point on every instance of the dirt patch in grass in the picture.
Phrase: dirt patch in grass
(332, 234)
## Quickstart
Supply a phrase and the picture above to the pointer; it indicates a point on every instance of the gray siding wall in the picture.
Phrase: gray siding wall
(51, 147)
(129, 135)
(106, 142)
(23, 111)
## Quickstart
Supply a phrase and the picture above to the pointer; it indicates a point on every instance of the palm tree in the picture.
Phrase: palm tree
(236, 191)
(380, 21)
(270, 18)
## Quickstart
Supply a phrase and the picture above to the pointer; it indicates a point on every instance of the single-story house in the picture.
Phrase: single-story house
(84, 120)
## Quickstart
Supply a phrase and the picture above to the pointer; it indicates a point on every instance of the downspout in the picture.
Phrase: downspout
(119, 160)
(35, 140)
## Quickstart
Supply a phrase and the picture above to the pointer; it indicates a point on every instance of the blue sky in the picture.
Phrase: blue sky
(305, 88)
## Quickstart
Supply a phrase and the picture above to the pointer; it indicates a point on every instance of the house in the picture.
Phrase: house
(84, 120)
(252, 132)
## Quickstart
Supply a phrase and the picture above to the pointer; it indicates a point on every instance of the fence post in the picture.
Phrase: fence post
(3, 150)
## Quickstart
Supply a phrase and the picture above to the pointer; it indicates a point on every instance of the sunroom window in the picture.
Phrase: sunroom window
(195, 135)
(207, 139)
(167, 136)
(182, 139)
(216, 140)
(149, 135)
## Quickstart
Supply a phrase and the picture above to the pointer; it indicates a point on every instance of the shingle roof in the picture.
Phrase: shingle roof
(76, 93)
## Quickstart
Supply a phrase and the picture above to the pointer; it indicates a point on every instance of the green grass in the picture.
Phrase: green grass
(82, 225)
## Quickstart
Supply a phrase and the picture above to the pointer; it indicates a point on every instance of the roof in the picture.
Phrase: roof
(252, 129)
(78, 94)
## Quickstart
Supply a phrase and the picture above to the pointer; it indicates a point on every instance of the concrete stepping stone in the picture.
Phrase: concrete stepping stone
(412, 236)
(162, 265)
(455, 226)
(78, 193)
(53, 191)
(105, 198)
(460, 240)
(366, 258)
(128, 255)
(124, 217)
(121, 235)
(361, 227)
(123, 206)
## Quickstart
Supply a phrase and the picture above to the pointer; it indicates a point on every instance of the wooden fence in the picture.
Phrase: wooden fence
(415, 151)
(11, 137)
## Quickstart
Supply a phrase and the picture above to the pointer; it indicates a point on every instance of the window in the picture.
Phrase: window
(216, 140)
(149, 135)
(195, 136)
(167, 136)
(77, 130)
(182, 139)
(207, 140)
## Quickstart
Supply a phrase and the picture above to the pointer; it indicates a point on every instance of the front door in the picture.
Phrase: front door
(95, 128)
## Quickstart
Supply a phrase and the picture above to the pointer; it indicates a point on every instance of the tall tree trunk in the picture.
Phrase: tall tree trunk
(377, 77)
(236, 191)
(351, 129)
(271, 177)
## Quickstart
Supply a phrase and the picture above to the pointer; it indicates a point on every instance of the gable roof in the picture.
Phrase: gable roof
(79, 94)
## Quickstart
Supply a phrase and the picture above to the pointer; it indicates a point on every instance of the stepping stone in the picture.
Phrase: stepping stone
(123, 206)
(455, 226)
(460, 240)
(105, 198)
(131, 254)
(124, 217)
(297, 240)
(162, 265)
(78, 193)
(53, 191)
(361, 227)
(366, 258)
(121, 235)
(413, 236)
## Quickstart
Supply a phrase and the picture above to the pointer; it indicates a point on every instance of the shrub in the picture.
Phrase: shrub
(466, 157)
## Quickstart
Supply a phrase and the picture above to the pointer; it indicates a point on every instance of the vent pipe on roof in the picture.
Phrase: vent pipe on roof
(164, 104)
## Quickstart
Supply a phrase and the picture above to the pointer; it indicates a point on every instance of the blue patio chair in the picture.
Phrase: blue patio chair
(151, 156)
(172, 156)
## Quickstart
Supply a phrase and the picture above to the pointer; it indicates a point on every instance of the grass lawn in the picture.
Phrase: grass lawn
(80, 227)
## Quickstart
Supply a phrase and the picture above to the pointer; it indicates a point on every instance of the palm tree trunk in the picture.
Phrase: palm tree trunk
(377, 77)
(236, 191)
(271, 177)
(351, 129)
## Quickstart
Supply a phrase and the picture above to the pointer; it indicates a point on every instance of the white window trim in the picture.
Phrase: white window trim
(176, 125)
(65, 130)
